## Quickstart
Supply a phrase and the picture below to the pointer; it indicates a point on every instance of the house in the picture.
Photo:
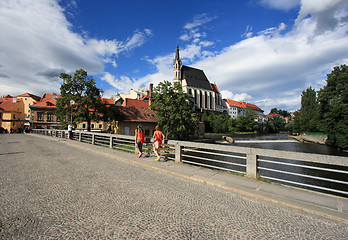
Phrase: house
(133, 111)
(237, 109)
(133, 116)
(12, 114)
(204, 95)
(139, 94)
(28, 100)
(43, 113)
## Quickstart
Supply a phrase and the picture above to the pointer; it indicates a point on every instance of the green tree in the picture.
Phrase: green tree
(333, 102)
(111, 114)
(275, 124)
(174, 112)
(279, 111)
(247, 122)
(308, 117)
(87, 97)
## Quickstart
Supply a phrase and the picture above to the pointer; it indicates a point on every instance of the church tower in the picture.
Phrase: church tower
(177, 66)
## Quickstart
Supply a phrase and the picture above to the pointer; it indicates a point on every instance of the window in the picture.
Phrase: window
(206, 100)
(39, 116)
(84, 125)
(147, 132)
(92, 125)
(14, 116)
(100, 126)
(49, 117)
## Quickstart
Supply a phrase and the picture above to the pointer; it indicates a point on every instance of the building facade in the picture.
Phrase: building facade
(28, 100)
(12, 114)
(43, 113)
(237, 109)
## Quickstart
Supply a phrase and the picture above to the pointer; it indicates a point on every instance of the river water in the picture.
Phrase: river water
(287, 146)
(293, 146)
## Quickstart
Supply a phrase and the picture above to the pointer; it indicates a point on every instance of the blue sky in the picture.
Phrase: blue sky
(264, 52)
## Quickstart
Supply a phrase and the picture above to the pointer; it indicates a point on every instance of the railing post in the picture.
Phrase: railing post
(251, 164)
(80, 136)
(93, 139)
(178, 153)
(111, 142)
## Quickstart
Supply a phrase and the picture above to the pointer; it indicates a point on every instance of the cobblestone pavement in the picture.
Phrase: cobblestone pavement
(50, 190)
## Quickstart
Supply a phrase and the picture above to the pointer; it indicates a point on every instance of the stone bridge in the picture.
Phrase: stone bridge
(53, 188)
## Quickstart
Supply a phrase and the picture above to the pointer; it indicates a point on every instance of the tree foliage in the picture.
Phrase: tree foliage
(275, 124)
(172, 107)
(224, 123)
(279, 111)
(308, 116)
(87, 97)
(333, 107)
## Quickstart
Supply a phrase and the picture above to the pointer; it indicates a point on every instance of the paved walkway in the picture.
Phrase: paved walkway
(57, 189)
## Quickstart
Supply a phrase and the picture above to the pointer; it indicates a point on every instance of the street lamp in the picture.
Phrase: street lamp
(72, 102)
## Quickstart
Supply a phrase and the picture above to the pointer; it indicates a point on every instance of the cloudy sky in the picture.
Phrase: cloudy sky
(264, 52)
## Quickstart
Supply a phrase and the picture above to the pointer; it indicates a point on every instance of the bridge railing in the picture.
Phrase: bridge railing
(324, 173)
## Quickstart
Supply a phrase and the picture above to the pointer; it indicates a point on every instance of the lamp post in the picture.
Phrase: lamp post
(72, 102)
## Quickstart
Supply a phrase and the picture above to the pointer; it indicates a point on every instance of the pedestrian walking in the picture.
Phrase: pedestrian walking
(139, 140)
(70, 131)
(158, 137)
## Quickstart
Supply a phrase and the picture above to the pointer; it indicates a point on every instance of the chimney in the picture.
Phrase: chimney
(151, 89)
(14, 100)
(150, 94)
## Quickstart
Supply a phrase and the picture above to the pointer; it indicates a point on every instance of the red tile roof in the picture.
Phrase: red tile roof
(47, 102)
(50, 96)
(5, 98)
(272, 115)
(214, 87)
(108, 101)
(8, 104)
(243, 105)
(133, 114)
(36, 98)
(135, 103)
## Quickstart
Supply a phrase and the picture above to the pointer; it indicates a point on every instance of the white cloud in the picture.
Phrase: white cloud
(124, 83)
(328, 15)
(199, 20)
(36, 41)
(280, 4)
(226, 94)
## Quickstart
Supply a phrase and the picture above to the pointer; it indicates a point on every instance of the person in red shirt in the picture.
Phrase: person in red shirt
(139, 140)
(158, 137)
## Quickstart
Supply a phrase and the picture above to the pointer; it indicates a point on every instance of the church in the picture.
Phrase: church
(204, 95)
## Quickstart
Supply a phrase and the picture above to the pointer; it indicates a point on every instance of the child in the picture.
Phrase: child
(158, 136)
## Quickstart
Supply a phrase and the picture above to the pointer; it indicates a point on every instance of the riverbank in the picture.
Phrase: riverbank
(319, 139)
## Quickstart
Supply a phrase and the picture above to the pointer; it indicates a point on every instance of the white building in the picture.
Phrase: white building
(237, 109)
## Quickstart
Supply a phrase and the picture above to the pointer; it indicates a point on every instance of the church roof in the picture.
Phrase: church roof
(195, 78)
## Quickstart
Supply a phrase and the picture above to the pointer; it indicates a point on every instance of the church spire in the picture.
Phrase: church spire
(177, 65)
(177, 57)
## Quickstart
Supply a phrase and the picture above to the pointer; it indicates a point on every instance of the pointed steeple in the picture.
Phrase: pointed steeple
(177, 57)
(177, 65)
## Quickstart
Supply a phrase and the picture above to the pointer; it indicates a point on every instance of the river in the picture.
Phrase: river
(293, 146)
(287, 146)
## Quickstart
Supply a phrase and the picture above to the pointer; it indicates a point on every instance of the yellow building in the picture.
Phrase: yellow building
(28, 100)
(12, 114)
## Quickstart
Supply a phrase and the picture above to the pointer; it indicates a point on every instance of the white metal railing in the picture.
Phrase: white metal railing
(290, 168)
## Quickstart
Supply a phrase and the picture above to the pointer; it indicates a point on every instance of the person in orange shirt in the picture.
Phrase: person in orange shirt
(139, 140)
(158, 137)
